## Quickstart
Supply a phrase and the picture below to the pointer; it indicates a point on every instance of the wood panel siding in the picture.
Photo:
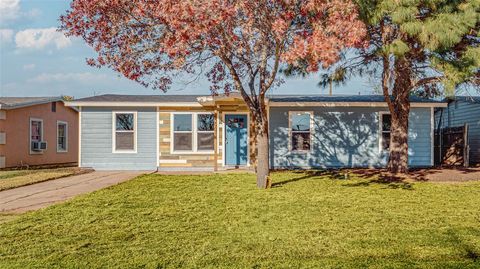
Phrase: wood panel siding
(194, 160)
(176, 160)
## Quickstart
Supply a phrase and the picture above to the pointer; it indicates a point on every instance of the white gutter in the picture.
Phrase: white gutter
(133, 104)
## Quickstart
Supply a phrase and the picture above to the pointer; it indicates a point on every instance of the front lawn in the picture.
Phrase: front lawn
(16, 178)
(223, 221)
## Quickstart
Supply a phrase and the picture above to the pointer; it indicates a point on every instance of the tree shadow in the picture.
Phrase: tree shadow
(470, 251)
(339, 138)
(305, 174)
(388, 181)
(368, 177)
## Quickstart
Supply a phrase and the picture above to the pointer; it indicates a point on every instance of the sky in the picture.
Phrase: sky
(37, 60)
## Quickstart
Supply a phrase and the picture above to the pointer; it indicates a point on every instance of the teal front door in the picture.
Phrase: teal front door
(236, 140)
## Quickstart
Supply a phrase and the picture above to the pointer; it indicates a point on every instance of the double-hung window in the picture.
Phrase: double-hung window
(124, 137)
(193, 132)
(36, 132)
(205, 132)
(182, 132)
(62, 133)
(300, 131)
(385, 127)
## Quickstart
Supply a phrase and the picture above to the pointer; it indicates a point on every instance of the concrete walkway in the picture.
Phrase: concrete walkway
(46, 193)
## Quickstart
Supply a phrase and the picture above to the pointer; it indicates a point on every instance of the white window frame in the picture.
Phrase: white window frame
(194, 133)
(59, 122)
(114, 131)
(203, 132)
(380, 130)
(290, 132)
(30, 135)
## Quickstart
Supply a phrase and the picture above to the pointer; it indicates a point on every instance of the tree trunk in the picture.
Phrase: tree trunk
(398, 159)
(262, 167)
(400, 110)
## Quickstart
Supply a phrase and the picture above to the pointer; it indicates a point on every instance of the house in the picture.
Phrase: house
(178, 132)
(37, 131)
(462, 110)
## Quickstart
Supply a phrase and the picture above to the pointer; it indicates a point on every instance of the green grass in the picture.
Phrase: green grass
(18, 178)
(223, 221)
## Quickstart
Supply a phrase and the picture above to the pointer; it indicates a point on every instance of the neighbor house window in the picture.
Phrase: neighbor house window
(385, 126)
(62, 133)
(36, 132)
(300, 131)
(193, 132)
(125, 124)
(54, 106)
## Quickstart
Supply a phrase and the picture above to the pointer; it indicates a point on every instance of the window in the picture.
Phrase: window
(125, 124)
(205, 129)
(300, 130)
(36, 132)
(54, 106)
(62, 133)
(193, 132)
(182, 132)
(385, 125)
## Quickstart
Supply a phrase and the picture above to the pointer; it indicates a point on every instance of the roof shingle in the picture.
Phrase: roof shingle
(272, 98)
(17, 102)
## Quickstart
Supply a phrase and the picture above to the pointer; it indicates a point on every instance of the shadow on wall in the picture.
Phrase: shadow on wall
(339, 139)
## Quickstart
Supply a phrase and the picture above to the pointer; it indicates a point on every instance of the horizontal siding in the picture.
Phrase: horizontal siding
(346, 137)
(97, 140)
(464, 112)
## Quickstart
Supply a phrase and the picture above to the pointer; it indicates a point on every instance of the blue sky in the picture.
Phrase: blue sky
(38, 61)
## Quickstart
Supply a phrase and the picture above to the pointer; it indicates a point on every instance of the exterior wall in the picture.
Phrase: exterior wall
(195, 161)
(15, 125)
(97, 138)
(346, 137)
(457, 115)
(173, 161)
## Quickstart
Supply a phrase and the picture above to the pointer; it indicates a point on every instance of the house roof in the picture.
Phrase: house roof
(198, 100)
(343, 98)
(140, 98)
(464, 98)
(18, 102)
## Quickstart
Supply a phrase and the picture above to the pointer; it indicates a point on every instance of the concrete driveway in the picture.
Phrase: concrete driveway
(46, 193)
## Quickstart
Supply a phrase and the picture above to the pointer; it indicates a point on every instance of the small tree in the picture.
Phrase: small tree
(240, 43)
(414, 47)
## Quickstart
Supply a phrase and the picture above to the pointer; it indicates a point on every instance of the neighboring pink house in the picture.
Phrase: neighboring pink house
(37, 131)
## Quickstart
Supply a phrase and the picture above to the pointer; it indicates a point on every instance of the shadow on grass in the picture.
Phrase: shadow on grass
(367, 177)
(469, 250)
(388, 182)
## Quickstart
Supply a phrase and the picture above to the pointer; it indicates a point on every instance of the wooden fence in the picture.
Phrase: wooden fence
(451, 146)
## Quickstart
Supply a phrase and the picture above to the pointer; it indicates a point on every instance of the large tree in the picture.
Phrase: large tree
(426, 47)
(240, 44)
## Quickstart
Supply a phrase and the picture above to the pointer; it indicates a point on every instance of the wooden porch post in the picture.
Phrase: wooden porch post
(215, 141)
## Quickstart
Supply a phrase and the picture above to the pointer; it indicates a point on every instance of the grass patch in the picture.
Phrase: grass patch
(222, 221)
(4, 217)
(17, 178)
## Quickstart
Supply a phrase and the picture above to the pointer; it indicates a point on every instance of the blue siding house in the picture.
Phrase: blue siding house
(179, 132)
(463, 110)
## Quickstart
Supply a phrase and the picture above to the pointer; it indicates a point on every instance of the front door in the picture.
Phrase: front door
(236, 141)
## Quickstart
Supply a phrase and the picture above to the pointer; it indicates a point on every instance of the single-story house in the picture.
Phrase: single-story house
(37, 131)
(462, 110)
(181, 132)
